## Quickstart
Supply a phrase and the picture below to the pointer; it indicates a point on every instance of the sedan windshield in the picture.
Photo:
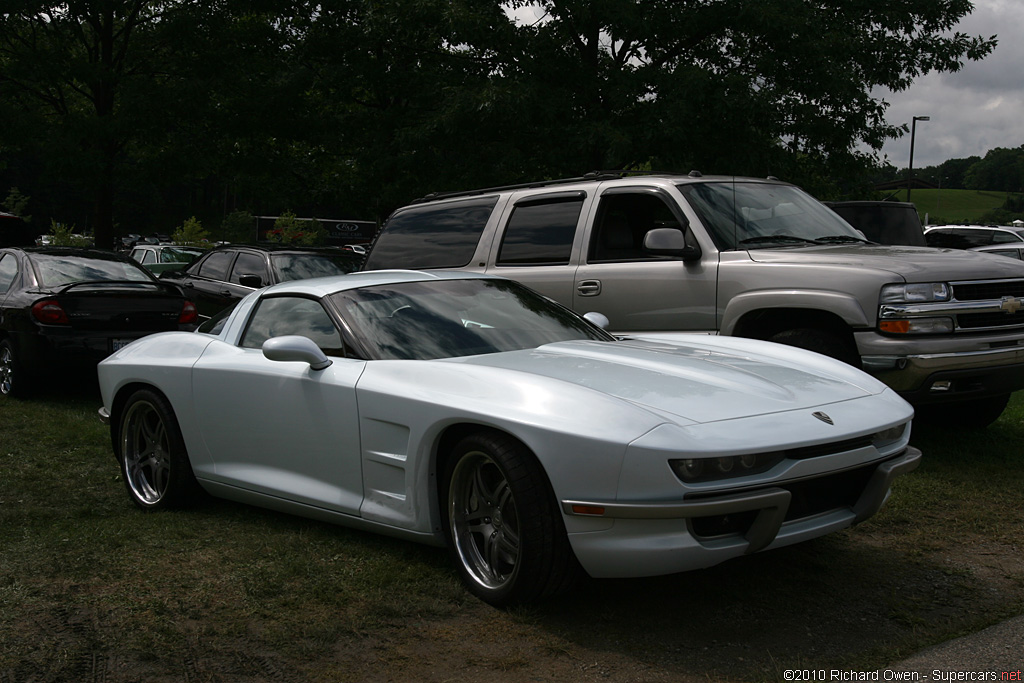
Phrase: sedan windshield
(745, 215)
(303, 266)
(65, 269)
(448, 318)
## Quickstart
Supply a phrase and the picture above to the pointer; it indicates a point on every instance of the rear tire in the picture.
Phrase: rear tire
(151, 450)
(504, 529)
(820, 341)
(13, 378)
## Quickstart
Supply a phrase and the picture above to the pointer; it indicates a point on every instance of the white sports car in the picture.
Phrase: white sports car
(465, 410)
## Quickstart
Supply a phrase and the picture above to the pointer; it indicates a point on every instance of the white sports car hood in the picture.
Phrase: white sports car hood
(715, 380)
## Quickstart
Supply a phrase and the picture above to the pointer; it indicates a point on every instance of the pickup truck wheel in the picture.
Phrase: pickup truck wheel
(820, 341)
(976, 413)
(504, 529)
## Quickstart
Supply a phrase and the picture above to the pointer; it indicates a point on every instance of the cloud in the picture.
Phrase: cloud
(973, 110)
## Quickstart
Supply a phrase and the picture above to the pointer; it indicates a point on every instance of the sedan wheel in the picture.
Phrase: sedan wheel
(154, 464)
(10, 371)
(504, 529)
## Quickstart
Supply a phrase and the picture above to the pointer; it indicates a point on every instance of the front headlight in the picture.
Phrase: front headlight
(918, 292)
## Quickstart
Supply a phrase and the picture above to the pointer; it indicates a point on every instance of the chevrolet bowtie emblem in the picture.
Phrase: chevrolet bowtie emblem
(1010, 305)
(823, 417)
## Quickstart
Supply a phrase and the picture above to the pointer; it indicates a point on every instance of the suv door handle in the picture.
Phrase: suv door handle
(588, 287)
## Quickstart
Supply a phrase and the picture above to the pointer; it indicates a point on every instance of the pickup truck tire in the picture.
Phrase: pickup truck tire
(824, 342)
(976, 413)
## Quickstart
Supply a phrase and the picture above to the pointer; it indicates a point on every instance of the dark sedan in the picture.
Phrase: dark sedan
(65, 307)
(225, 274)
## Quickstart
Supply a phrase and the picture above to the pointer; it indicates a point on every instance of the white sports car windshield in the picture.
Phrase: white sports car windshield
(449, 318)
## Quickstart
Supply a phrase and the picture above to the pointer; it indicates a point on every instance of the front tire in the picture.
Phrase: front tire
(820, 341)
(504, 529)
(976, 413)
(154, 463)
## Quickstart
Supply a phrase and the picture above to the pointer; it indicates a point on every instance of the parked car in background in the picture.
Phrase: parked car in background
(68, 307)
(745, 257)
(451, 408)
(160, 258)
(225, 274)
(883, 222)
(971, 236)
(1012, 250)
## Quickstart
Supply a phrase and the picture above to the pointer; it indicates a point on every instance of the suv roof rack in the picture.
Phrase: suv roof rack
(593, 175)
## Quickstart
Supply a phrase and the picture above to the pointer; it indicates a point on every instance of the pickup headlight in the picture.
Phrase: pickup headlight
(895, 315)
(915, 293)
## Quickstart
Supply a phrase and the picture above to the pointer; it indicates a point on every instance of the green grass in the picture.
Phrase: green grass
(953, 206)
(93, 589)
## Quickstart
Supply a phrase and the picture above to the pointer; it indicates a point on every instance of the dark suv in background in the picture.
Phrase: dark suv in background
(225, 274)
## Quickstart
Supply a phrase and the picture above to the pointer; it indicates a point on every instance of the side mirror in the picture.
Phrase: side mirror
(254, 281)
(599, 319)
(295, 348)
(670, 242)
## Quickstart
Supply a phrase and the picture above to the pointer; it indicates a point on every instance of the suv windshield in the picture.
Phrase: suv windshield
(744, 215)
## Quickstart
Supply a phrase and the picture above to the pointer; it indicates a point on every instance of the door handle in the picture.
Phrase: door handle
(588, 287)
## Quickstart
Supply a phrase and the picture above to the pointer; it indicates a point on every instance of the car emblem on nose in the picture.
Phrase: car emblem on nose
(823, 417)
(1010, 304)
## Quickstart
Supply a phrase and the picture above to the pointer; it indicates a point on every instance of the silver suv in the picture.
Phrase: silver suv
(739, 256)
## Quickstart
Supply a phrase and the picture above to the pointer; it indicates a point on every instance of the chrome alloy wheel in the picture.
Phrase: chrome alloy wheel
(145, 449)
(6, 370)
(483, 520)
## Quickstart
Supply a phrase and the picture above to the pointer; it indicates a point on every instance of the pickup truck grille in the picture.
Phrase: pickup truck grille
(980, 291)
(993, 291)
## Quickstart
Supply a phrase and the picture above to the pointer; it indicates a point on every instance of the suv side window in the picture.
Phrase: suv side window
(432, 236)
(248, 263)
(1003, 237)
(281, 315)
(973, 238)
(622, 222)
(216, 265)
(541, 230)
(8, 271)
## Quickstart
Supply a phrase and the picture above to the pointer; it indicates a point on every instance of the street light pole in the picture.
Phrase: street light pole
(910, 167)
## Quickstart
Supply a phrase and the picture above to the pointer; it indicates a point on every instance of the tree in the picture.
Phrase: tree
(1001, 170)
(726, 85)
(190, 234)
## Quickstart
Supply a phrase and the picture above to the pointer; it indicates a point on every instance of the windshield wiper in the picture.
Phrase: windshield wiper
(776, 239)
(840, 239)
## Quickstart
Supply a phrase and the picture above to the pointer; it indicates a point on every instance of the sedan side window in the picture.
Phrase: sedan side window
(283, 315)
(216, 265)
(8, 271)
(249, 264)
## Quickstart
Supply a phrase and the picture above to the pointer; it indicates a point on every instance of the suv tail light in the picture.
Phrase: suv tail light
(49, 311)
(188, 314)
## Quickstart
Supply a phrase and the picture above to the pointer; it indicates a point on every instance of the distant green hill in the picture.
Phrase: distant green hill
(952, 206)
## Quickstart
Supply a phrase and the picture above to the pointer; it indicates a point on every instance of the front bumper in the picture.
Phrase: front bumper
(931, 370)
(650, 539)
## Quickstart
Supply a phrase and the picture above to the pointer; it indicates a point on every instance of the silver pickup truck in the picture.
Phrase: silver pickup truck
(739, 256)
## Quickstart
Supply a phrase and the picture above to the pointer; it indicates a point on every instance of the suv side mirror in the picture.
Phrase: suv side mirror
(670, 242)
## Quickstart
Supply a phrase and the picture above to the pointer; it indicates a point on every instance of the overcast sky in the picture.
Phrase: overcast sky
(973, 110)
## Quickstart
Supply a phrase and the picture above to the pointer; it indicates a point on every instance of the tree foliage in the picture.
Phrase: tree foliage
(155, 109)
